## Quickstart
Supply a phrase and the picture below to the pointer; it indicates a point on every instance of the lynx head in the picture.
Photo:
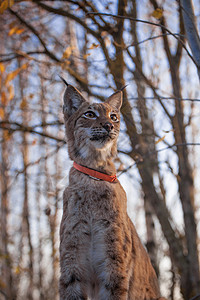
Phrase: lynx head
(91, 129)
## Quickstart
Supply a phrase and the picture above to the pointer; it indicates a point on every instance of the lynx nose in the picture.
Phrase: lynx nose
(108, 126)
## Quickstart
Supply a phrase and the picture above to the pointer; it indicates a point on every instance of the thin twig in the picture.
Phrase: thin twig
(153, 152)
(148, 23)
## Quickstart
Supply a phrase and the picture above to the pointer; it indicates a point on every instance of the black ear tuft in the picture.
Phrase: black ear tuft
(123, 87)
(63, 80)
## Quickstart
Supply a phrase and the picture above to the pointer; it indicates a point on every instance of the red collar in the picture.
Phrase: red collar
(95, 174)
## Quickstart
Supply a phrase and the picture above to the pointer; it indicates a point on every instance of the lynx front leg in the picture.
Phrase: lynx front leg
(113, 274)
(73, 262)
(116, 289)
(71, 289)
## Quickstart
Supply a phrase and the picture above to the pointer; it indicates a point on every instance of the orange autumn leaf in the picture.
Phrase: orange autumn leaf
(11, 76)
(2, 67)
(6, 135)
(19, 30)
(160, 140)
(23, 103)
(34, 142)
(5, 4)
(15, 30)
(86, 55)
(3, 98)
(10, 92)
(67, 53)
(157, 13)
(31, 95)
(14, 73)
(12, 31)
(24, 66)
(94, 46)
(2, 113)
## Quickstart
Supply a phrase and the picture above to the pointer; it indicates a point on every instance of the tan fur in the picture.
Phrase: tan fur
(101, 256)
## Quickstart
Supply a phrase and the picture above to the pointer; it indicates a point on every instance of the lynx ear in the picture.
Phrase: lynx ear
(115, 100)
(72, 100)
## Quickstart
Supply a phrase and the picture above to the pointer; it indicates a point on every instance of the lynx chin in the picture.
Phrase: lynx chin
(101, 256)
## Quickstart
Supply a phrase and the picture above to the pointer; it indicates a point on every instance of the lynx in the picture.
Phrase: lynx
(101, 256)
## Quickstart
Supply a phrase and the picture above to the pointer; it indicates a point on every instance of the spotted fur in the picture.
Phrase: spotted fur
(101, 256)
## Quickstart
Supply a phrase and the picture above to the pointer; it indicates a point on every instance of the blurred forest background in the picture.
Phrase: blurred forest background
(158, 163)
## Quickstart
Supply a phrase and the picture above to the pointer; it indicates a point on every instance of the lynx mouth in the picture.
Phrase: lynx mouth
(101, 138)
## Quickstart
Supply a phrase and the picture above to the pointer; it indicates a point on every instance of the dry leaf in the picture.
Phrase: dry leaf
(5, 4)
(13, 74)
(3, 98)
(2, 67)
(11, 92)
(94, 46)
(15, 30)
(24, 66)
(19, 30)
(31, 96)
(160, 140)
(86, 55)
(2, 114)
(67, 53)
(23, 103)
(17, 270)
(34, 142)
(158, 13)
(6, 135)
(12, 31)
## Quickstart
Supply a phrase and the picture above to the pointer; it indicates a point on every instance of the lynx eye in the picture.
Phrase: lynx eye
(90, 115)
(114, 117)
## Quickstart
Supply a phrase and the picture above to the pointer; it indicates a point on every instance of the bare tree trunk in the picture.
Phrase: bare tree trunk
(158, 204)
(53, 226)
(26, 216)
(40, 256)
(146, 140)
(191, 31)
(51, 210)
(6, 287)
(190, 278)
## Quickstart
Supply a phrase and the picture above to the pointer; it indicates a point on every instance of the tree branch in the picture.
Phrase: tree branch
(148, 23)
(5, 125)
(64, 13)
(36, 33)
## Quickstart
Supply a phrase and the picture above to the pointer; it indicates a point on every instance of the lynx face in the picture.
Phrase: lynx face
(91, 129)
(100, 124)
